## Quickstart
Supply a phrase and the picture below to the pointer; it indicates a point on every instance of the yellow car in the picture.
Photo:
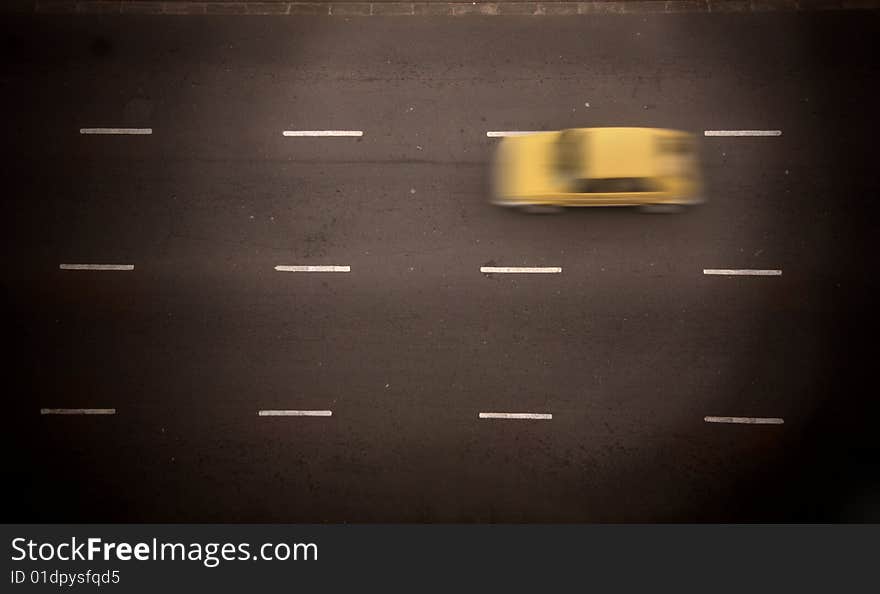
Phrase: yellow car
(650, 167)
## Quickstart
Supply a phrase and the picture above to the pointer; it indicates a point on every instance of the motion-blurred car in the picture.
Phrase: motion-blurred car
(654, 168)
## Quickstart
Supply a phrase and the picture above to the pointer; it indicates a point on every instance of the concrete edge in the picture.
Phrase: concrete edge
(392, 8)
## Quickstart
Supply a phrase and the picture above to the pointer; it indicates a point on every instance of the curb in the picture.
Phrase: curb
(391, 8)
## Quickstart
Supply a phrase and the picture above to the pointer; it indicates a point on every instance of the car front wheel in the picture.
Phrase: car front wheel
(541, 209)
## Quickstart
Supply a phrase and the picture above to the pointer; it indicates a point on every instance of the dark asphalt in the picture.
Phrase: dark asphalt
(629, 348)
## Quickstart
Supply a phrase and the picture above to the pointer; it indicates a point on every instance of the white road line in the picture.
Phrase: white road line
(515, 270)
(96, 266)
(77, 411)
(502, 415)
(745, 420)
(741, 272)
(136, 131)
(742, 133)
(323, 133)
(502, 133)
(313, 268)
(295, 413)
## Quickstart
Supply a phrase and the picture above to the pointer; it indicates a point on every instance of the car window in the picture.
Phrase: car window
(675, 146)
(570, 153)
(613, 185)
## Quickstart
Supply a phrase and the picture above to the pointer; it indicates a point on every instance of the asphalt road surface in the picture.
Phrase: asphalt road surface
(620, 357)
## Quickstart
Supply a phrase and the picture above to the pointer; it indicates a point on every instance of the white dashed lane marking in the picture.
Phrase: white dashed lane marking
(134, 131)
(313, 268)
(520, 270)
(295, 413)
(96, 266)
(323, 133)
(746, 420)
(508, 415)
(77, 411)
(741, 272)
(742, 133)
(503, 133)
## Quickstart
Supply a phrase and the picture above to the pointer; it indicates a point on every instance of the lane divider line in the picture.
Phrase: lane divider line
(741, 272)
(503, 133)
(77, 411)
(134, 131)
(507, 415)
(96, 266)
(746, 420)
(520, 270)
(295, 413)
(323, 133)
(313, 268)
(742, 133)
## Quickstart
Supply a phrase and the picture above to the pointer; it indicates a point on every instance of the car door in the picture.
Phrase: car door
(613, 192)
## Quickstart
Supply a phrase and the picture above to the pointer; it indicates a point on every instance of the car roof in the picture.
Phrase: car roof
(620, 152)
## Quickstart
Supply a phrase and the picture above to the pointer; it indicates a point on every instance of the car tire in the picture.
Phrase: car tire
(541, 209)
(661, 208)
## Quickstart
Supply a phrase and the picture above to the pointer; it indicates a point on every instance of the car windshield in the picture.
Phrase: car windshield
(570, 153)
(675, 146)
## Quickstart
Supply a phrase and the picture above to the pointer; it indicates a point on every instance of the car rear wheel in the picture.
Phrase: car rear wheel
(661, 208)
